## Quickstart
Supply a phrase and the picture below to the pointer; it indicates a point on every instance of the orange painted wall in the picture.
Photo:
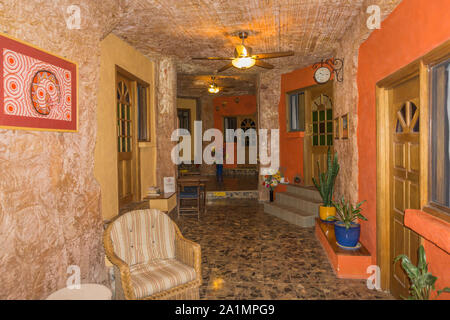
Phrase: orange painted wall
(291, 143)
(227, 107)
(414, 28)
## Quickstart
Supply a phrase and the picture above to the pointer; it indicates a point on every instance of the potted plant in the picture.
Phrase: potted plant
(347, 231)
(325, 186)
(422, 281)
(271, 182)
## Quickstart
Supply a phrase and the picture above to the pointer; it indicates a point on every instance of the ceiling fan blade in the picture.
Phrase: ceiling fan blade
(273, 55)
(211, 58)
(263, 64)
(225, 67)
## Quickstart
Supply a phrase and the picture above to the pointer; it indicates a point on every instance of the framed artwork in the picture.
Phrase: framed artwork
(337, 132)
(345, 126)
(38, 90)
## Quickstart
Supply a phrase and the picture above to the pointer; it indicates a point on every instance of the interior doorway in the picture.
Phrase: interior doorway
(319, 135)
(126, 140)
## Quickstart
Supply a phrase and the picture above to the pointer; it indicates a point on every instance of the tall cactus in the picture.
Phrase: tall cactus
(327, 179)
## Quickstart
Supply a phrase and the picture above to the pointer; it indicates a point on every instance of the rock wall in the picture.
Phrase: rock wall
(346, 98)
(207, 117)
(49, 200)
(268, 98)
(166, 117)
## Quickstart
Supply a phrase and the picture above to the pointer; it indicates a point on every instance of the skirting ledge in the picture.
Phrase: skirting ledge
(347, 264)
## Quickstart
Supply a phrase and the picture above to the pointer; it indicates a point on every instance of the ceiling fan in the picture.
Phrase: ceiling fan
(243, 58)
(213, 88)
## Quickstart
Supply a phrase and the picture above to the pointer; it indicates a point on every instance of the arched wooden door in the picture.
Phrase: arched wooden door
(126, 140)
(404, 180)
(320, 124)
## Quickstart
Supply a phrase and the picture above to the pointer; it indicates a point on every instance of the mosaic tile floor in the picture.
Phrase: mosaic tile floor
(247, 254)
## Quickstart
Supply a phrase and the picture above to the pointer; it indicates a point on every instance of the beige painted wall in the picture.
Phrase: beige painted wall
(115, 52)
(191, 104)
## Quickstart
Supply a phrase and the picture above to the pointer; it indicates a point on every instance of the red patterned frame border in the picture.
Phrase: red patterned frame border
(29, 123)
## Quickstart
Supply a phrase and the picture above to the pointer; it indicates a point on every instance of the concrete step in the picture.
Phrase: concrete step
(290, 214)
(296, 201)
(309, 192)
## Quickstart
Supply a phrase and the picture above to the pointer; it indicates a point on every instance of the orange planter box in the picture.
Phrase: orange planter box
(348, 264)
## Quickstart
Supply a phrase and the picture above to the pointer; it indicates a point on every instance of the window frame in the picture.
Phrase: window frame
(433, 207)
(224, 128)
(189, 119)
(146, 87)
(301, 124)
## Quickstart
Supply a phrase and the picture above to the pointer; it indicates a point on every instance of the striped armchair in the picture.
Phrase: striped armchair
(151, 259)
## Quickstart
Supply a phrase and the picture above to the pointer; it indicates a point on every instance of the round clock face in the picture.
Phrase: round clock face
(322, 75)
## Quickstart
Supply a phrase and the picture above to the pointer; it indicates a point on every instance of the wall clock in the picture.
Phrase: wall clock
(325, 68)
(322, 75)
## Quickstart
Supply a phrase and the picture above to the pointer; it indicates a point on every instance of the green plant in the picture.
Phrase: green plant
(327, 179)
(347, 213)
(422, 281)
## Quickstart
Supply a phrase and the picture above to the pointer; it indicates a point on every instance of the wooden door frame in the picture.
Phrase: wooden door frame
(135, 163)
(419, 67)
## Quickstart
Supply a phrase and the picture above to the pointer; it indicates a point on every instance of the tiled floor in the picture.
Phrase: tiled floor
(247, 254)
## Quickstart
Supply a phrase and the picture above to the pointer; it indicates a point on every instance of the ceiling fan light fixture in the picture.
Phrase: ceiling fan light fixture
(213, 89)
(243, 63)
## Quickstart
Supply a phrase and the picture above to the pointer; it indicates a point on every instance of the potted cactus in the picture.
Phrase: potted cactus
(325, 186)
(347, 231)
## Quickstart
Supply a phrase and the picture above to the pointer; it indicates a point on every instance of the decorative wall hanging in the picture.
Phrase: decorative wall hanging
(345, 126)
(325, 68)
(38, 90)
(337, 131)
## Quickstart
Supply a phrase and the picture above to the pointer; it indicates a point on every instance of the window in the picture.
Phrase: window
(184, 119)
(440, 132)
(142, 101)
(229, 123)
(124, 117)
(249, 123)
(322, 121)
(296, 112)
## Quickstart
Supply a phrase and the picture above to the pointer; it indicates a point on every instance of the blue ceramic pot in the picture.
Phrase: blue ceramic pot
(347, 238)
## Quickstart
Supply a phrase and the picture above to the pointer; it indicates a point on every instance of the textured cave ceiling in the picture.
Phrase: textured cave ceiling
(200, 28)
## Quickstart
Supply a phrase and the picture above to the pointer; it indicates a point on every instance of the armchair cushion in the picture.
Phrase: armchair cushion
(143, 235)
(159, 275)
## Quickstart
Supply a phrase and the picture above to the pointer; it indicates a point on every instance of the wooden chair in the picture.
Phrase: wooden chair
(151, 258)
(189, 197)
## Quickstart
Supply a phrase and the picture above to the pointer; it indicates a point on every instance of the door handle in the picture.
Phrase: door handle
(309, 130)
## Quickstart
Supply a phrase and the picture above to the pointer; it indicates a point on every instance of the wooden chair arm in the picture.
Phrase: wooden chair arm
(188, 252)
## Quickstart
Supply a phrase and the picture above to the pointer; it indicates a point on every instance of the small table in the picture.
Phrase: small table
(87, 291)
(164, 202)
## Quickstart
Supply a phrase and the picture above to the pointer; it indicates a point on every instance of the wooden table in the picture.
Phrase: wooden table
(165, 202)
(87, 291)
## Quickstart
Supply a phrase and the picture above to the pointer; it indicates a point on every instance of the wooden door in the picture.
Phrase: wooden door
(320, 130)
(404, 180)
(126, 140)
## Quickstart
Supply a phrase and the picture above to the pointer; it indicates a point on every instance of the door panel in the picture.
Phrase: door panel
(404, 180)
(320, 132)
(125, 140)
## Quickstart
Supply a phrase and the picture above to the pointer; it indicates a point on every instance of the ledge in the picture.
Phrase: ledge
(429, 227)
(347, 264)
